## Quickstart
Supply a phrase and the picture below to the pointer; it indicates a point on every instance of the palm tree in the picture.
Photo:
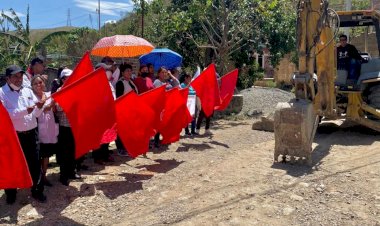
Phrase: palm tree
(19, 48)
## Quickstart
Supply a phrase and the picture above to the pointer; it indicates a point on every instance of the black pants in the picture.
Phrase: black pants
(119, 144)
(101, 153)
(66, 152)
(28, 141)
(193, 122)
(200, 119)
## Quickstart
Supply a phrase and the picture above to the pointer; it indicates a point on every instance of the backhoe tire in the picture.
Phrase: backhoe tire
(374, 96)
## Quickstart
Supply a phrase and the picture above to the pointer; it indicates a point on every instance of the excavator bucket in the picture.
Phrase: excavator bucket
(295, 124)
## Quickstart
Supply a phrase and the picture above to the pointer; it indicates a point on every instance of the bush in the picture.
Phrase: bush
(249, 74)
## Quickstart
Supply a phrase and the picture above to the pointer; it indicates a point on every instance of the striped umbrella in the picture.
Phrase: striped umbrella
(121, 46)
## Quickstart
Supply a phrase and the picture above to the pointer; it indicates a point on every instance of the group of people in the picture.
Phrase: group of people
(43, 128)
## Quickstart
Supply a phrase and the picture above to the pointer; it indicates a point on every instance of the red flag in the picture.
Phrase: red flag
(83, 68)
(207, 90)
(227, 88)
(155, 99)
(90, 109)
(14, 172)
(135, 121)
(175, 116)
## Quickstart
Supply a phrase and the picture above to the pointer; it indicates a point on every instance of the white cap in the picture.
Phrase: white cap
(66, 73)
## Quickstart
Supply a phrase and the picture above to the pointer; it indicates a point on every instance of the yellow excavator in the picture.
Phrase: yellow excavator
(323, 92)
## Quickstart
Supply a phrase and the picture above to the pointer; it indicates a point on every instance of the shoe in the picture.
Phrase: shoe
(75, 176)
(188, 133)
(11, 199)
(39, 196)
(194, 133)
(47, 183)
(122, 152)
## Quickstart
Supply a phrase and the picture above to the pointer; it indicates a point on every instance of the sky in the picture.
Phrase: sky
(54, 13)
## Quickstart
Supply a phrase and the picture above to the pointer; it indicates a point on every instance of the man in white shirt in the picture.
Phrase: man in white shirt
(23, 108)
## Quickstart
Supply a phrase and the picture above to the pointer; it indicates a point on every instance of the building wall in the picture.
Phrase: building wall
(359, 43)
(285, 70)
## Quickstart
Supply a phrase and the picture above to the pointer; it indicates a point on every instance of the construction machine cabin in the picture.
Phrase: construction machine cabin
(322, 90)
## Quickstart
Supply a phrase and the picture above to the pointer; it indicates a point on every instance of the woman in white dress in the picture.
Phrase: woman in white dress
(47, 127)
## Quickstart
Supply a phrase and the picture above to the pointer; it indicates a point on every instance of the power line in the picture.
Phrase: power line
(61, 22)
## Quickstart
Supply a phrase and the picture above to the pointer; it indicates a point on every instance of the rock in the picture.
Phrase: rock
(287, 211)
(296, 197)
(265, 124)
(288, 177)
(32, 213)
(303, 184)
(320, 188)
(206, 179)
(250, 207)
(101, 178)
(254, 113)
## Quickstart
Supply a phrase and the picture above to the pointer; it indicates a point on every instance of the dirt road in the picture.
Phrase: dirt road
(225, 179)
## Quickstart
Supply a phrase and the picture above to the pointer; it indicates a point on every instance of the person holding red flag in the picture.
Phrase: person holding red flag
(23, 108)
(165, 78)
(124, 86)
(66, 141)
(207, 88)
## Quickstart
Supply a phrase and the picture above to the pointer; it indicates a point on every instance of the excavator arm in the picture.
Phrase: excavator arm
(295, 122)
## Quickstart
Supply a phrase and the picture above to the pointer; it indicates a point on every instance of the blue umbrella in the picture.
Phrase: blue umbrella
(162, 57)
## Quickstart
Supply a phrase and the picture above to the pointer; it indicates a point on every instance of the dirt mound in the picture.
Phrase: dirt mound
(259, 101)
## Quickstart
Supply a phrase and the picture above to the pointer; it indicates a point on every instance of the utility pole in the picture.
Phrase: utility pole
(68, 18)
(98, 15)
(142, 18)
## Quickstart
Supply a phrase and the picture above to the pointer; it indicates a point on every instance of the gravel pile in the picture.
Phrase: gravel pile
(262, 100)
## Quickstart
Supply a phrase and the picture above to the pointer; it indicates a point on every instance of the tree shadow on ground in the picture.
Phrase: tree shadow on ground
(163, 166)
(226, 124)
(95, 168)
(219, 144)
(133, 182)
(330, 134)
(59, 220)
(61, 196)
(197, 147)
(160, 149)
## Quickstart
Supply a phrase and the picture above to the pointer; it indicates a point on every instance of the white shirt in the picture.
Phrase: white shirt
(26, 82)
(113, 90)
(16, 104)
(47, 128)
(127, 86)
(115, 76)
